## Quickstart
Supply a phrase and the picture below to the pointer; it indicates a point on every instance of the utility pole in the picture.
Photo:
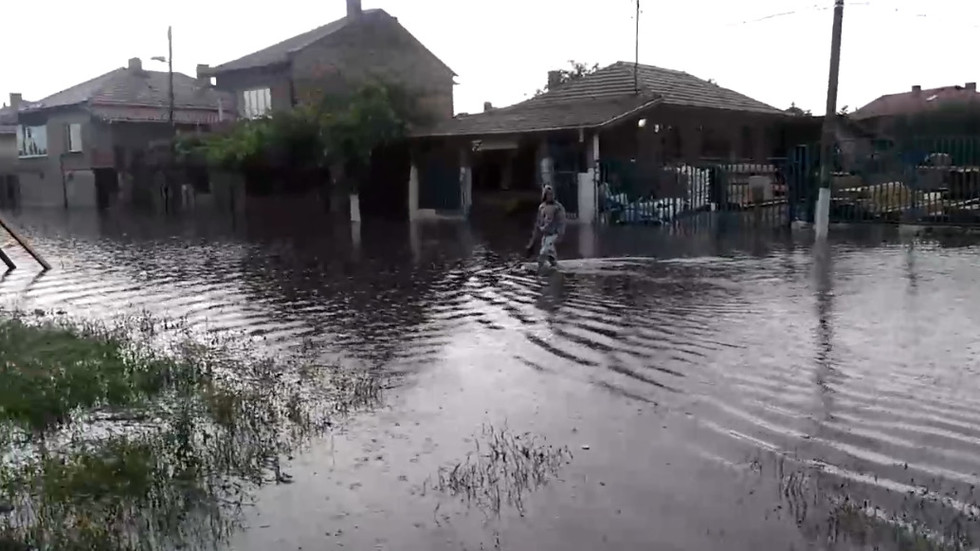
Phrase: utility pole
(827, 139)
(636, 63)
(172, 149)
(170, 75)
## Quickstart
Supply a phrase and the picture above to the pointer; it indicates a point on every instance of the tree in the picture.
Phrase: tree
(340, 133)
(575, 71)
(794, 110)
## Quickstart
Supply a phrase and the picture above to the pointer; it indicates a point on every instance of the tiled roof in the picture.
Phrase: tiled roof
(676, 88)
(126, 86)
(600, 97)
(917, 102)
(538, 116)
(279, 53)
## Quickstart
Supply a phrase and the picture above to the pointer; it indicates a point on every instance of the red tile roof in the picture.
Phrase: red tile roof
(138, 88)
(599, 98)
(917, 101)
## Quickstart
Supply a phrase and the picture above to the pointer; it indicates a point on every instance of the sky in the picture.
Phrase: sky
(776, 51)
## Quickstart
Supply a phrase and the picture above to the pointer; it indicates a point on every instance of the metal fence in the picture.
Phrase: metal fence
(919, 180)
(566, 191)
(644, 193)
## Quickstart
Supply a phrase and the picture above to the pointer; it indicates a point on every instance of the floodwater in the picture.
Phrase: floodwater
(670, 390)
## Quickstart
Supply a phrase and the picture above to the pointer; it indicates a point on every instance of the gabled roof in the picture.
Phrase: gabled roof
(917, 101)
(281, 52)
(675, 87)
(600, 98)
(126, 86)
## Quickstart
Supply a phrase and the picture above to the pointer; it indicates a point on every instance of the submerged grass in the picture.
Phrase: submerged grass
(503, 468)
(112, 445)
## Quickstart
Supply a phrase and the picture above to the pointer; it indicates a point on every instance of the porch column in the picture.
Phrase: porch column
(588, 183)
(465, 182)
(546, 165)
(413, 192)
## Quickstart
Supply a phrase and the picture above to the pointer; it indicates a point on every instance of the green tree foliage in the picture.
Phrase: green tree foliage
(575, 71)
(342, 131)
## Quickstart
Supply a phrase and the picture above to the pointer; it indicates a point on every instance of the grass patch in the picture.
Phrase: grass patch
(113, 445)
(52, 370)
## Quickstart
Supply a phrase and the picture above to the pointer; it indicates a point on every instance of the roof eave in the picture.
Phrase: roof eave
(503, 132)
(221, 70)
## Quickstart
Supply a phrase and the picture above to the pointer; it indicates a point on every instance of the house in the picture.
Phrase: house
(364, 45)
(73, 146)
(8, 156)
(638, 116)
(882, 114)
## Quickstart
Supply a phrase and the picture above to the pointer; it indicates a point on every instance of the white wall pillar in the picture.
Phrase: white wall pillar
(587, 197)
(586, 241)
(413, 193)
(355, 208)
(465, 183)
(594, 150)
(414, 242)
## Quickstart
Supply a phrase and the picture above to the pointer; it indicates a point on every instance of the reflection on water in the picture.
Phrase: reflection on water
(848, 373)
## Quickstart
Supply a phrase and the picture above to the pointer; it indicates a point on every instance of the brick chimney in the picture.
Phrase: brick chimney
(204, 74)
(354, 8)
(487, 107)
(971, 86)
(554, 79)
(135, 64)
(916, 89)
(15, 100)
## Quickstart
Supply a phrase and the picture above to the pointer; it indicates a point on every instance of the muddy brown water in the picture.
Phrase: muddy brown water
(738, 390)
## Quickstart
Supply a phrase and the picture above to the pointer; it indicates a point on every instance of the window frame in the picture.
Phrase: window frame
(256, 102)
(69, 142)
(22, 141)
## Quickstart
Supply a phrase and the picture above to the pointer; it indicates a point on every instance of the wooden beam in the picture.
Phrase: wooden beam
(6, 260)
(27, 246)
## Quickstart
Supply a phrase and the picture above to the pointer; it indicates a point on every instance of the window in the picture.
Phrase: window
(32, 141)
(74, 134)
(256, 103)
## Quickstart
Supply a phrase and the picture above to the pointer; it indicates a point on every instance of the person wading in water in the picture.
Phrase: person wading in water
(549, 227)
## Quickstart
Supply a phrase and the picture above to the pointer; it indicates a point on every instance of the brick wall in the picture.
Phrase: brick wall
(377, 47)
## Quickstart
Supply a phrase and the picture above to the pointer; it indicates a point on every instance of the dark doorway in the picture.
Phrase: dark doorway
(106, 187)
(9, 191)
(384, 193)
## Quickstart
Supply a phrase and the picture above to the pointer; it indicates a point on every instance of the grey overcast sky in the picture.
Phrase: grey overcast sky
(776, 51)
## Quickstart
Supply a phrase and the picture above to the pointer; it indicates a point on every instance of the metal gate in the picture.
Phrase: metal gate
(705, 190)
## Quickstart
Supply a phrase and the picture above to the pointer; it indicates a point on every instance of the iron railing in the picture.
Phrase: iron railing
(657, 194)
(924, 180)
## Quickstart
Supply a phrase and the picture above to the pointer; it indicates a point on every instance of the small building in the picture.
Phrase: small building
(365, 45)
(881, 115)
(639, 116)
(73, 146)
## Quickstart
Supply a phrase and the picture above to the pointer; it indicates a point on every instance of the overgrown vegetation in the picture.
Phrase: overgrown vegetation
(575, 71)
(110, 445)
(340, 134)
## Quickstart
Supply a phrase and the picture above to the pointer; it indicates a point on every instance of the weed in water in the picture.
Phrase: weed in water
(503, 468)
